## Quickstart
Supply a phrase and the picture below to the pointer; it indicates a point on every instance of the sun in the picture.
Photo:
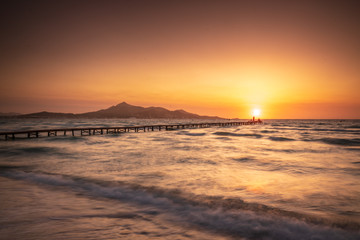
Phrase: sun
(256, 112)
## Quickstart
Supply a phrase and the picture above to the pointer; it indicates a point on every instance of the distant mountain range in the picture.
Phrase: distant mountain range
(122, 110)
(9, 114)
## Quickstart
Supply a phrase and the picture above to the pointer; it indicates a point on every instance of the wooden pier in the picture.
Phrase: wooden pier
(112, 130)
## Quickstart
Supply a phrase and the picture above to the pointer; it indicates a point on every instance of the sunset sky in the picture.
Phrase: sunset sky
(291, 59)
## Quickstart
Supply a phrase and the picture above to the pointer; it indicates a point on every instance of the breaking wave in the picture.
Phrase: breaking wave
(229, 216)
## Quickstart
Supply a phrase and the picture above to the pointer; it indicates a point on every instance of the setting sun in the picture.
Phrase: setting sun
(256, 112)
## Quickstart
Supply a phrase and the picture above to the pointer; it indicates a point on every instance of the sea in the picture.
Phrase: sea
(284, 179)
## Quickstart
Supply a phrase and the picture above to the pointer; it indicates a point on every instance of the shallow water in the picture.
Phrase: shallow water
(286, 179)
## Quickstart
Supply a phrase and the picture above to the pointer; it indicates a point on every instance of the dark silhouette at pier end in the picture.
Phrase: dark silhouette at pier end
(253, 120)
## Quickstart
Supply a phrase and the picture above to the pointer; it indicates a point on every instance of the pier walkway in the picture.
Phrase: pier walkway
(112, 130)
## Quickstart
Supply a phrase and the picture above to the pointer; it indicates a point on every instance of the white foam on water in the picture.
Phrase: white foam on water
(176, 209)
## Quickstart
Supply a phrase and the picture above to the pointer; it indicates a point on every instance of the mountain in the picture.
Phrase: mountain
(9, 114)
(45, 114)
(123, 110)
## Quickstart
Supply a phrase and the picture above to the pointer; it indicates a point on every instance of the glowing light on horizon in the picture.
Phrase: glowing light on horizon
(256, 112)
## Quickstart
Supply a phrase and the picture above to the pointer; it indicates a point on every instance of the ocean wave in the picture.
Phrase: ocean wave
(40, 150)
(195, 161)
(353, 149)
(281, 139)
(161, 139)
(283, 150)
(244, 159)
(223, 138)
(341, 141)
(229, 216)
(238, 134)
(269, 131)
(188, 160)
(7, 167)
(304, 126)
(96, 142)
(334, 130)
(289, 168)
(65, 139)
(33, 151)
(190, 133)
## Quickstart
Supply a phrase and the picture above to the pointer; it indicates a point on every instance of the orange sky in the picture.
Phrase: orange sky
(224, 58)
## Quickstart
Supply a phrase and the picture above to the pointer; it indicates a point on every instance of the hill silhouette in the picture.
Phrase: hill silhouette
(124, 110)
